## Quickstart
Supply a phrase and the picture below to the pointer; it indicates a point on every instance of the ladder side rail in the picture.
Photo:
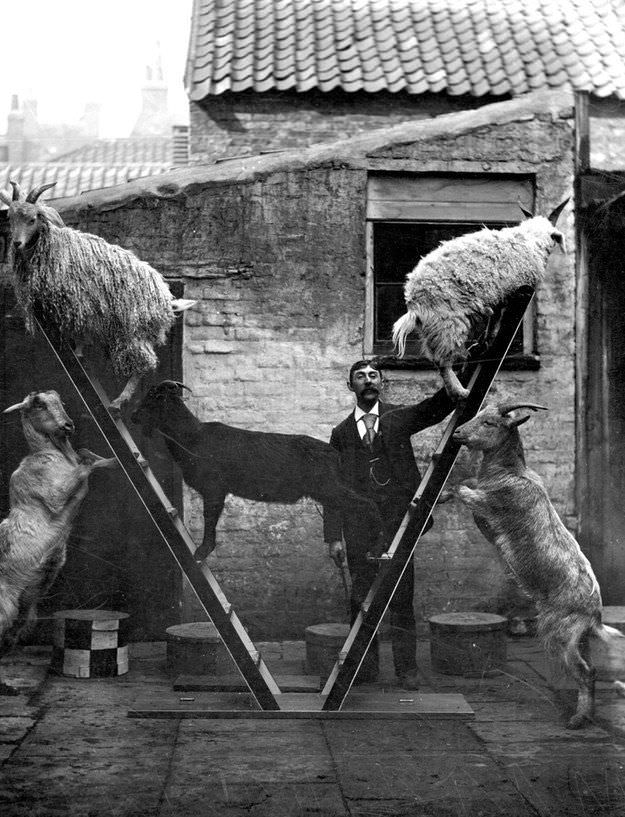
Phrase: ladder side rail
(415, 520)
(170, 528)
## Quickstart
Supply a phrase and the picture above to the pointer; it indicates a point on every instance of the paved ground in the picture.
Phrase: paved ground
(67, 747)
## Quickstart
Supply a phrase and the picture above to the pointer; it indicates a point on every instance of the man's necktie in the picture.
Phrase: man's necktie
(369, 421)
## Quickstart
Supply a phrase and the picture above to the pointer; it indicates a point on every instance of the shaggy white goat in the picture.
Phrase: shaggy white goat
(513, 510)
(46, 492)
(90, 290)
(455, 290)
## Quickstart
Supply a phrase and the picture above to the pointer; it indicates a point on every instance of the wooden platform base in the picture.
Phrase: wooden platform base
(235, 683)
(357, 706)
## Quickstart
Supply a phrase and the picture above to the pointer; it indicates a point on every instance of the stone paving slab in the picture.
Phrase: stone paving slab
(217, 799)
(71, 751)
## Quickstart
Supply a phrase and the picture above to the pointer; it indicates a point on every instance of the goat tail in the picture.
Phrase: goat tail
(608, 634)
(615, 643)
(401, 329)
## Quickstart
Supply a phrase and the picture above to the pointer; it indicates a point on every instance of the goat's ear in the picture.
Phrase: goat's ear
(5, 198)
(17, 406)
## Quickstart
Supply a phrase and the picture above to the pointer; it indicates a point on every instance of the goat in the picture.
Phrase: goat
(46, 492)
(90, 290)
(455, 292)
(512, 509)
(217, 460)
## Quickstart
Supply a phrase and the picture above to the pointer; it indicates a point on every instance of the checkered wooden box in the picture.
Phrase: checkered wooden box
(90, 643)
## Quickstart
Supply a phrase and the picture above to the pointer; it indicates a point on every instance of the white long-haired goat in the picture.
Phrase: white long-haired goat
(93, 292)
(455, 290)
(46, 492)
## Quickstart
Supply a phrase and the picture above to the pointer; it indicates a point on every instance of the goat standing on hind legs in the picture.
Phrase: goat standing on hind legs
(46, 492)
(513, 510)
(91, 291)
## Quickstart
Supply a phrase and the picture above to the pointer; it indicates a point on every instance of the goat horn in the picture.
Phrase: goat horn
(555, 213)
(506, 408)
(37, 191)
(525, 212)
(17, 190)
(175, 383)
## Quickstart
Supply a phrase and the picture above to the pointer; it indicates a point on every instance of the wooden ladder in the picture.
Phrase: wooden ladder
(168, 524)
(176, 537)
(413, 525)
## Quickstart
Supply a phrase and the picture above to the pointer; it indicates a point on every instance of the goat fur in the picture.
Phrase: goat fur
(46, 492)
(455, 291)
(512, 508)
(218, 459)
(90, 290)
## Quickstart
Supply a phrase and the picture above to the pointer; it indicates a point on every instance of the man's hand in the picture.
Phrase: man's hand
(336, 552)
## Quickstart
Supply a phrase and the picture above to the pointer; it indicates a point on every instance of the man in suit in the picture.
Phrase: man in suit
(376, 459)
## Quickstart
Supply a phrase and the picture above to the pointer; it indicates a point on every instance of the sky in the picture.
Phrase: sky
(66, 53)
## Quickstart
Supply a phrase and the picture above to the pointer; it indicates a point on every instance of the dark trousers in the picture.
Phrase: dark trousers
(358, 541)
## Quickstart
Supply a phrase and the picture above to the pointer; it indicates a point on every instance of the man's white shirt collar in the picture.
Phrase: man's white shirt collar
(359, 414)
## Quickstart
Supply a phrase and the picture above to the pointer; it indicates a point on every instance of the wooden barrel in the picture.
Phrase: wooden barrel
(469, 644)
(323, 644)
(90, 643)
(196, 648)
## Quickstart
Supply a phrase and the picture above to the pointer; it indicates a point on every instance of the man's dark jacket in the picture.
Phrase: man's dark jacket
(388, 473)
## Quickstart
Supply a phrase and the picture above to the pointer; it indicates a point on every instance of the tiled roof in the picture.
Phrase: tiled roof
(134, 150)
(74, 179)
(475, 47)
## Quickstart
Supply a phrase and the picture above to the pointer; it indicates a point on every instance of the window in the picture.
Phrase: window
(408, 216)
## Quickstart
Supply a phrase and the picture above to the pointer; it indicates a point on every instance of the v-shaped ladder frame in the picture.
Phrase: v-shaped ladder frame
(169, 526)
(174, 534)
(413, 525)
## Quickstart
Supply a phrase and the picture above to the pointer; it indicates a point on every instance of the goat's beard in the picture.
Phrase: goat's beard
(62, 442)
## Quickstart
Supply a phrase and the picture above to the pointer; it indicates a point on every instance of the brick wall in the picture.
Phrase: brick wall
(277, 263)
(240, 124)
(232, 124)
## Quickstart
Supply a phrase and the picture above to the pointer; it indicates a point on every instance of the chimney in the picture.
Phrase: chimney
(154, 118)
(90, 120)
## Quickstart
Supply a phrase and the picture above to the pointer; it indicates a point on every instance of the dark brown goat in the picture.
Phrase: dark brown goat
(513, 510)
(217, 460)
(46, 492)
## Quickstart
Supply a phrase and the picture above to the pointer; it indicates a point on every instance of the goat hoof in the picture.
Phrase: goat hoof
(579, 721)
(7, 689)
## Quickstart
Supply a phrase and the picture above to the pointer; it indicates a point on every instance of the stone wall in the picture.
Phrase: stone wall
(276, 260)
(250, 123)
(233, 124)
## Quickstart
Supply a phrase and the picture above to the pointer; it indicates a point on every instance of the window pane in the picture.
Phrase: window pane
(397, 248)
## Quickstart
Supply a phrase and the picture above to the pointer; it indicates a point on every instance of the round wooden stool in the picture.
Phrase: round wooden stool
(323, 644)
(468, 644)
(196, 648)
(90, 643)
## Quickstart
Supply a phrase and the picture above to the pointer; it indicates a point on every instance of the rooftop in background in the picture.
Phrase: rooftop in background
(476, 47)
(131, 150)
(74, 179)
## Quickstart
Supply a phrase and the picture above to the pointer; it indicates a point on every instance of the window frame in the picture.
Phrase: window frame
(529, 359)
